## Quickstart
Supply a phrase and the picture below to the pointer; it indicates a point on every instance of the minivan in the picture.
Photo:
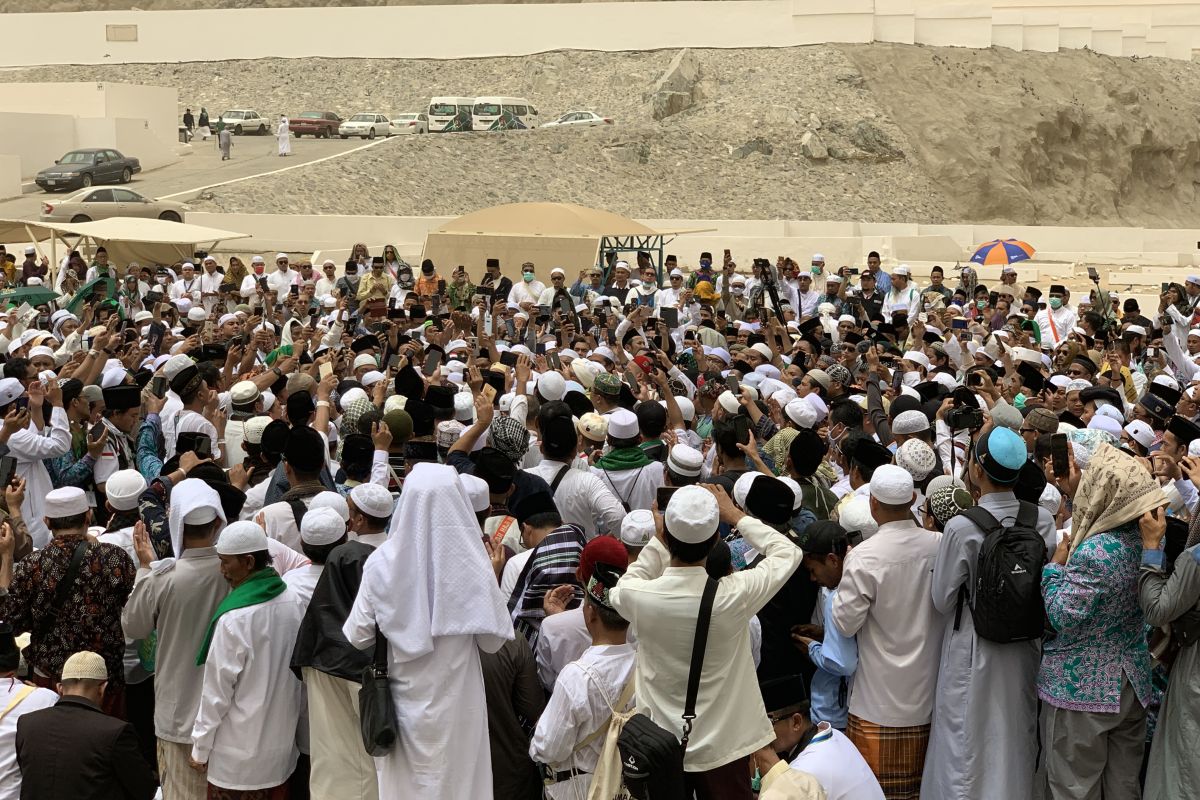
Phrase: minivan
(503, 114)
(449, 114)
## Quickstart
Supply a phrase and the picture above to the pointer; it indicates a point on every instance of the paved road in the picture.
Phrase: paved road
(252, 155)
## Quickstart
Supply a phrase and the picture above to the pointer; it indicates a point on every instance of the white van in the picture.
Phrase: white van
(450, 114)
(503, 114)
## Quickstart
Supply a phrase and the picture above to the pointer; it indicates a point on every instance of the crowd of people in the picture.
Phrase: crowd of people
(360, 530)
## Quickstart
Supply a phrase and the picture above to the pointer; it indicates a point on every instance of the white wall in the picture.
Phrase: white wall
(10, 176)
(1158, 27)
(41, 121)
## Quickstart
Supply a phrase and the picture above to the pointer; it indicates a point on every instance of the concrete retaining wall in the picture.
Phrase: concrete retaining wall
(1168, 28)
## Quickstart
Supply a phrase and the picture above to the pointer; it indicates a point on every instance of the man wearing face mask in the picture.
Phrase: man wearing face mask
(526, 293)
(249, 287)
(1058, 318)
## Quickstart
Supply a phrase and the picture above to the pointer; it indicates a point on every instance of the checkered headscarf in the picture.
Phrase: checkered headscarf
(509, 437)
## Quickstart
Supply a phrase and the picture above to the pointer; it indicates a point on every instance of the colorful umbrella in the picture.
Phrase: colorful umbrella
(1002, 251)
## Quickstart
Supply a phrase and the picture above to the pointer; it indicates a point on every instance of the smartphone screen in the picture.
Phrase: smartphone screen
(508, 358)
(294, 291)
(203, 447)
(158, 386)
(8, 466)
(664, 496)
(1058, 454)
(734, 387)
(96, 431)
(670, 316)
(958, 324)
(489, 392)
(326, 370)
(432, 360)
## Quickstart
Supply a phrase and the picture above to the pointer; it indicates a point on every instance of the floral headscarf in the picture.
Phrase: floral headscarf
(1114, 490)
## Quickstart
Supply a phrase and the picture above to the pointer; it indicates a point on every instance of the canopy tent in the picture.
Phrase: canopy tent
(146, 241)
(548, 234)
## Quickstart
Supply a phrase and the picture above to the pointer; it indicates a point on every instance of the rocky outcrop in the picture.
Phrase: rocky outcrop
(678, 88)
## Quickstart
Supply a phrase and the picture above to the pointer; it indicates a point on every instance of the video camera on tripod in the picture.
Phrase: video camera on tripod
(770, 283)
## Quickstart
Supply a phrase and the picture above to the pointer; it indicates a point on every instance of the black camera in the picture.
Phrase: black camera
(965, 418)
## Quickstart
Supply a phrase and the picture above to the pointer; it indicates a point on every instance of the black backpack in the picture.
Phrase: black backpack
(651, 757)
(1007, 604)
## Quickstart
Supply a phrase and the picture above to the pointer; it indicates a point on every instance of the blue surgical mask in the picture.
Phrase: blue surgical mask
(527, 277)
(1056, 302)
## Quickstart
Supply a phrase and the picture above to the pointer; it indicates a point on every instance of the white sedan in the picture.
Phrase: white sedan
(585, 118)
(410, 123)
(366, 126)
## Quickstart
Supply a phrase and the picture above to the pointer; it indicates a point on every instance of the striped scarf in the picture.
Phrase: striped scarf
(552, 563)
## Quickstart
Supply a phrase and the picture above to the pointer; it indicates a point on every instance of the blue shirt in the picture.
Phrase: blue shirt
(883, 282)
(836, 659)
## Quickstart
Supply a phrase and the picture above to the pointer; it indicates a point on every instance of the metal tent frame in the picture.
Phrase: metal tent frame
(654, 244)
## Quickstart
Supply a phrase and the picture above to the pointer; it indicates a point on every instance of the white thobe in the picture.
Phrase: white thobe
(523, 292)
(187, 421)
(246, 726)
(583, 499)
(634, 487)
(281, 283)
(1064, 319)
(210, 284)
(279, 522)
(283, 135)
(30, 447)
(303, 580)
(186, 289)
(440, 706)
(249, 287)
(10, 772)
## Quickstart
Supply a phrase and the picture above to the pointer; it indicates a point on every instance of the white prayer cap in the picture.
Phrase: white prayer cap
(30, 250)
(855, 515)
(41, 350)
(818, 257)
(176, 364)
(124, 488)
(1136, 330)
(685, 460)
(917, 357)
(65, 502)
(1140, 432)
(244, 392)
(331, 500)
(464, 406)
(376, 501)
(637, 529)
(1162, 379)
(351, 396)
(477, 491)
(1101, 422)
(241, 538)
(558, 271)
(1078, 385)
(142, 316)
(551, 386)
(741, 487)
(256, 260)
(227, 318)
(1050, 499)
(280, 255)
(85, 666)
(364, 360)
(903, 269)
(1060, 381)
(762, 349)
(321, 526)
(1194, 448)
(917, 458)
(784, 396)
(692, 515)
(909, 422)
(721, 353)
(585, 371)
(623, 424)
(197, 314)
(892, 485)
(34, 281)
(729, 402)
(676, 273)
(801, 412)
(1113, 413)
(372, 377)
(687, 408)
(112, 377)
(254, 428)
(200, 515)
(768, 371)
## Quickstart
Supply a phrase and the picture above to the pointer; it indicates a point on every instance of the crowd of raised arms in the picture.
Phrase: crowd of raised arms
(664, 532)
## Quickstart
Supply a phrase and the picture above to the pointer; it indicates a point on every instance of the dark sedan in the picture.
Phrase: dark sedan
(79, 169)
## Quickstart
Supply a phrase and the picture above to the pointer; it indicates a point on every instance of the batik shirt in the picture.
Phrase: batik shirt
(1092, 602)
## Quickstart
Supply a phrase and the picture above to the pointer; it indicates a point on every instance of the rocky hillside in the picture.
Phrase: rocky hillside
(874, 132)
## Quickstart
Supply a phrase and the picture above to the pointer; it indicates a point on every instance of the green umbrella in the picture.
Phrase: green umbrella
(34, 295)
(90, 288)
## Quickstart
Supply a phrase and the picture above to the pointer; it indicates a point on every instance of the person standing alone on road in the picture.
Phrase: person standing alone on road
(284, 136)
(224, 140)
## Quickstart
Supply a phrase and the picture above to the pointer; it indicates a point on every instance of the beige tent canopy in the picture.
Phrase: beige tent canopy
(548, 234)
(146, 241)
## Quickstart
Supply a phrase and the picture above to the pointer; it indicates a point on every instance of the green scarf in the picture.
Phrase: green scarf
(624, 458)
(260, 587)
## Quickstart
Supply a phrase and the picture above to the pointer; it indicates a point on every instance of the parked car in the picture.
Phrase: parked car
(410, 123)
(81, 168)
(321, 124)
(92, 204)
(586, 118)
(366, 125)
(244, 121)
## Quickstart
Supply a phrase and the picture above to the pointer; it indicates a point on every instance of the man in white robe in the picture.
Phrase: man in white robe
(283, 135)
(432, 593)
(245, 730)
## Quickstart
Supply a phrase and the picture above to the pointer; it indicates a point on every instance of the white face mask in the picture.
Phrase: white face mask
(912, 378)
(738, 290)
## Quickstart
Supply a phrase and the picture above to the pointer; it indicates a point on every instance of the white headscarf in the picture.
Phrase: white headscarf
(186, 497)
(432, 577)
